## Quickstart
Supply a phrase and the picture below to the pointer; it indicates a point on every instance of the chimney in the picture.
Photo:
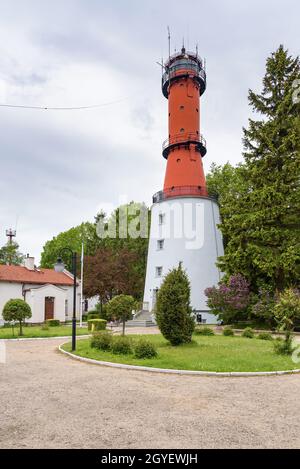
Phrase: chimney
(29, 262)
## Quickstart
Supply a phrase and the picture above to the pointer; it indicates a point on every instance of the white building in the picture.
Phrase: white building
(49, 293)
(184, 229)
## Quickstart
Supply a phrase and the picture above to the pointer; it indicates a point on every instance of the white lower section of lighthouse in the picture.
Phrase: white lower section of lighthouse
(185, 229)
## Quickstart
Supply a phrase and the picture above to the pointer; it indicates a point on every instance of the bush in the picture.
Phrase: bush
(84, 317)
(96, 324)
(101, 340)
(45, 326)
(265, 336)
(53, 322)
(93, 315)
(248, 332)
(228, 331)
(121, 345)
(145, 349)
(284, 346)
(200, 330)
(173, 311)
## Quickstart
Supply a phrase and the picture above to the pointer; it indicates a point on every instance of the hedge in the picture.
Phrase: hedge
(97, 324)
(53, 322)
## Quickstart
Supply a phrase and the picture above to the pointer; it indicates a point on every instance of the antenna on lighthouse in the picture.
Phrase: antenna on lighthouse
(169, 41)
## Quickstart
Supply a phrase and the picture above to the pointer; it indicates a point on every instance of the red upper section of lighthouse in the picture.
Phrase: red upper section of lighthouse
(183, 82)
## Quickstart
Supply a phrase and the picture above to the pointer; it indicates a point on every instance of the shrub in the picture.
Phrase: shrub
(53, 322)
(284, 346)
(228, 331)
(16, 311)
(200, 330)
(248, 332)
(145, 349)
(121, 345)
(96, 324)
(230, 301)
(84, 317)
(101, 340)
(265, 336)
(173, 311)
(45, 326)
(93, 315)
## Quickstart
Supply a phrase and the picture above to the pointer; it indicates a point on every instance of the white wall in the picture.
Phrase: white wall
(35, 297)
(9, 291)
(190, 236)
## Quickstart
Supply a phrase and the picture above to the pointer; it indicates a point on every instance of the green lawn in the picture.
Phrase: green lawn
(36, 331)
(216, 353)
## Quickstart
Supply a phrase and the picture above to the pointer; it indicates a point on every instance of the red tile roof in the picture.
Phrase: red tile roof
(19, 274)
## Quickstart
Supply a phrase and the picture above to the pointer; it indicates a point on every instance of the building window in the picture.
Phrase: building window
(160, 244)
(181, 108)
(158, 271)
(161, 218)
(182, 130)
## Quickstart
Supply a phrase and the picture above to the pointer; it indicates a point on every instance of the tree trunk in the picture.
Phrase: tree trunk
(123, 333)
(21, 328)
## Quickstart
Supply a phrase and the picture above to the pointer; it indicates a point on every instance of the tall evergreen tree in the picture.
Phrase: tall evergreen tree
(262, 221)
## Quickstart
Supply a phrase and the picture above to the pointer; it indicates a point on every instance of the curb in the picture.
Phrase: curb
(177, 372)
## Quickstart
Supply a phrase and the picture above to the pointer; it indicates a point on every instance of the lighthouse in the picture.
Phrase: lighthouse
(184, 219)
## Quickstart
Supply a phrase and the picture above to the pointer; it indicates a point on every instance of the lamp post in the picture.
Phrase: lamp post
(60, 267)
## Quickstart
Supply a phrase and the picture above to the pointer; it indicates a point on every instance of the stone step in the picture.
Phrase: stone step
(140, 323)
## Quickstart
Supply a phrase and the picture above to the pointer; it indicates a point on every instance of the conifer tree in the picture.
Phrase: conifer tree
(262, 220)
(173, 310)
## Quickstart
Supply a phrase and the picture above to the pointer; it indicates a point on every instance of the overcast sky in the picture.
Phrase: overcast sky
(59, 168)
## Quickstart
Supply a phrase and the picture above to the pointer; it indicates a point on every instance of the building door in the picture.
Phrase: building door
(49, 308)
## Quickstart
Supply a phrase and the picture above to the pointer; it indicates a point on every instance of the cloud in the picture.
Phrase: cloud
(58, 168)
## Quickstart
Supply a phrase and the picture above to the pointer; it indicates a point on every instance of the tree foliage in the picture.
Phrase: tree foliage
(230, 300)
(173, 310)
(121, 307)
(10, 254)
(260, 205)
(127, 250)
(16, 311)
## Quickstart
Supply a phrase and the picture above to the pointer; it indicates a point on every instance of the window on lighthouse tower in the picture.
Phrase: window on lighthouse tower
(158, 271)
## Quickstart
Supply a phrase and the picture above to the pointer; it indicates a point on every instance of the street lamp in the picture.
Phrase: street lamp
(60, 267)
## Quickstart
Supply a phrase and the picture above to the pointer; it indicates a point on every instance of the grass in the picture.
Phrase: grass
(36, 331)
(216, 353)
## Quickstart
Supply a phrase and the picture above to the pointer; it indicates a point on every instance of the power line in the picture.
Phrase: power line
(48, 108)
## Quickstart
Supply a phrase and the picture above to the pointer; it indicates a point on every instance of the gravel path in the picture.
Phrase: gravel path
(48, 400)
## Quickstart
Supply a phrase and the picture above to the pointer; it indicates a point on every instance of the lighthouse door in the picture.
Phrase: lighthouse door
(154, 297)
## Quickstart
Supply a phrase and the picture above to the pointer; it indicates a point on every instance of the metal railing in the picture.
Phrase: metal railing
(192, 137)
(181, 191)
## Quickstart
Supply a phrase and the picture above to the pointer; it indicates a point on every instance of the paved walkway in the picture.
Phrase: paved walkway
(48, 400)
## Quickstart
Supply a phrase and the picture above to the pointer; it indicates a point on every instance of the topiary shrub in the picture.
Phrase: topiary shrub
(145, 349)
(53, 322)
(248, 333)
(228, 331)
(102, 340)
(93, 315)
(84, 317)
(265, 336)
(96, 324)
(17, 311)
(200, 330)
(173, 311)
(121, 345)
(120, 307)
